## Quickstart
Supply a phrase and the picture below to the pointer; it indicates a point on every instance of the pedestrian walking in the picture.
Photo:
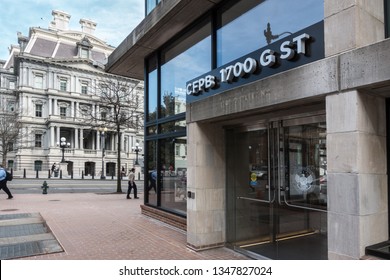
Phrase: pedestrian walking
(4, 176)
(132, 184)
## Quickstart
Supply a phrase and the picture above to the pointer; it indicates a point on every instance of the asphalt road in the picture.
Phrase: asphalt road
(22, 186)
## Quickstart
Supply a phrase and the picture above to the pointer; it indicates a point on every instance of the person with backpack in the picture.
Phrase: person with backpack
(4, 177)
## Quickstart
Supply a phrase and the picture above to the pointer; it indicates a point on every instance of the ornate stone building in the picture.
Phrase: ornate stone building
(52, 78)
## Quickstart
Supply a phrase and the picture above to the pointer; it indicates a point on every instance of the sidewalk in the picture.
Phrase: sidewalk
(92, 226)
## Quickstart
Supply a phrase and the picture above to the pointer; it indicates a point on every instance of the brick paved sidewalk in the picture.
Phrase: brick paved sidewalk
(107, 227)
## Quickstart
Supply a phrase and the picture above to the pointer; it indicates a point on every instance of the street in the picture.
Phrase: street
(28, 186)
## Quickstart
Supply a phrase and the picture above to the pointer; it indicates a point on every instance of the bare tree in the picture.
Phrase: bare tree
(10, 129)
(121, 108)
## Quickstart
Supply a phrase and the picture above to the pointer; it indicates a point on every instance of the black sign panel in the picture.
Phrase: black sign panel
(287, 53)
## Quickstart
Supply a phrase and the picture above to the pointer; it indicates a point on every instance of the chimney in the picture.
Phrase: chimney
(87, 26)
(60, 20)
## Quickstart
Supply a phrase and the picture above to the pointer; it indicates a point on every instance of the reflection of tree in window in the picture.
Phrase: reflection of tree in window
(168, 106)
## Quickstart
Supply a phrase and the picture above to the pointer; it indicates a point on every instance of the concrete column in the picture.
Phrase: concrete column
(206, 220)
(357, 180)
(351, 24)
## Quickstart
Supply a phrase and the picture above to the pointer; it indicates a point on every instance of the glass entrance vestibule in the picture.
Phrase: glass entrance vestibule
(277, 189)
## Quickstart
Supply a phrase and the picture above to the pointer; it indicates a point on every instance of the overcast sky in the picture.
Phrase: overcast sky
(115, 18)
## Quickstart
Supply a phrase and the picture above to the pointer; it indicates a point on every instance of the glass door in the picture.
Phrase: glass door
(277, 189)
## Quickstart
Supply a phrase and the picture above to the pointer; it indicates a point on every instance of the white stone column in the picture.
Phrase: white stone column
(357, 180)
(206, 222)
(55, 107)
(52, 137)
(77, 110)
(98, 136)
(76, 138)
(58, 134)
(81, 139)
(122, 136)
(49, 113)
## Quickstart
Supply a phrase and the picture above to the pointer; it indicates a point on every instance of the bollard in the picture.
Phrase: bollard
(82, 174)
(61, 174)
(71, 174)
(44, 187)
(37, 175)
(49, 174)
(24, 173)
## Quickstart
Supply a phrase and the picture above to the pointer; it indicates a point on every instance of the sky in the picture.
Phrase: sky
(115, 18)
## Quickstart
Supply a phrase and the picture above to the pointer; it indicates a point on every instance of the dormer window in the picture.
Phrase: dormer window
(84, 48)
(84, 53)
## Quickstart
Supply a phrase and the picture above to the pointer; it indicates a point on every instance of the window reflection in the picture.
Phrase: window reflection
(151, 162)
(187, 59)
(247, 25)
(173, 126)
(174, 174)
(152, 89)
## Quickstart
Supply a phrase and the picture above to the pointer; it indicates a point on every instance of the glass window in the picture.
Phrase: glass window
(152, 89)
(246, 26)
(38, 140)
(38, 110)
(174, 174)
(187, 58)
(84, 53)
(152, 178)
(151, 130)
(150, 5)
(63, 84)
(38, 165)
(38, 81)
(63, 111)
(173, 126)
(11, 106)
(84, 87)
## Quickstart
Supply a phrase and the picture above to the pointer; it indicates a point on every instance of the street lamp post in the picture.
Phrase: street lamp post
(103, 138)
(63, 144)
(136, 149)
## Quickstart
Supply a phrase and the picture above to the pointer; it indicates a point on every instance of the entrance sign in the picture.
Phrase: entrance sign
(292, 51)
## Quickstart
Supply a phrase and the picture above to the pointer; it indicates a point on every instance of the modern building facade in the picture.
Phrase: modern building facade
(54, 78)
(266, 123)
